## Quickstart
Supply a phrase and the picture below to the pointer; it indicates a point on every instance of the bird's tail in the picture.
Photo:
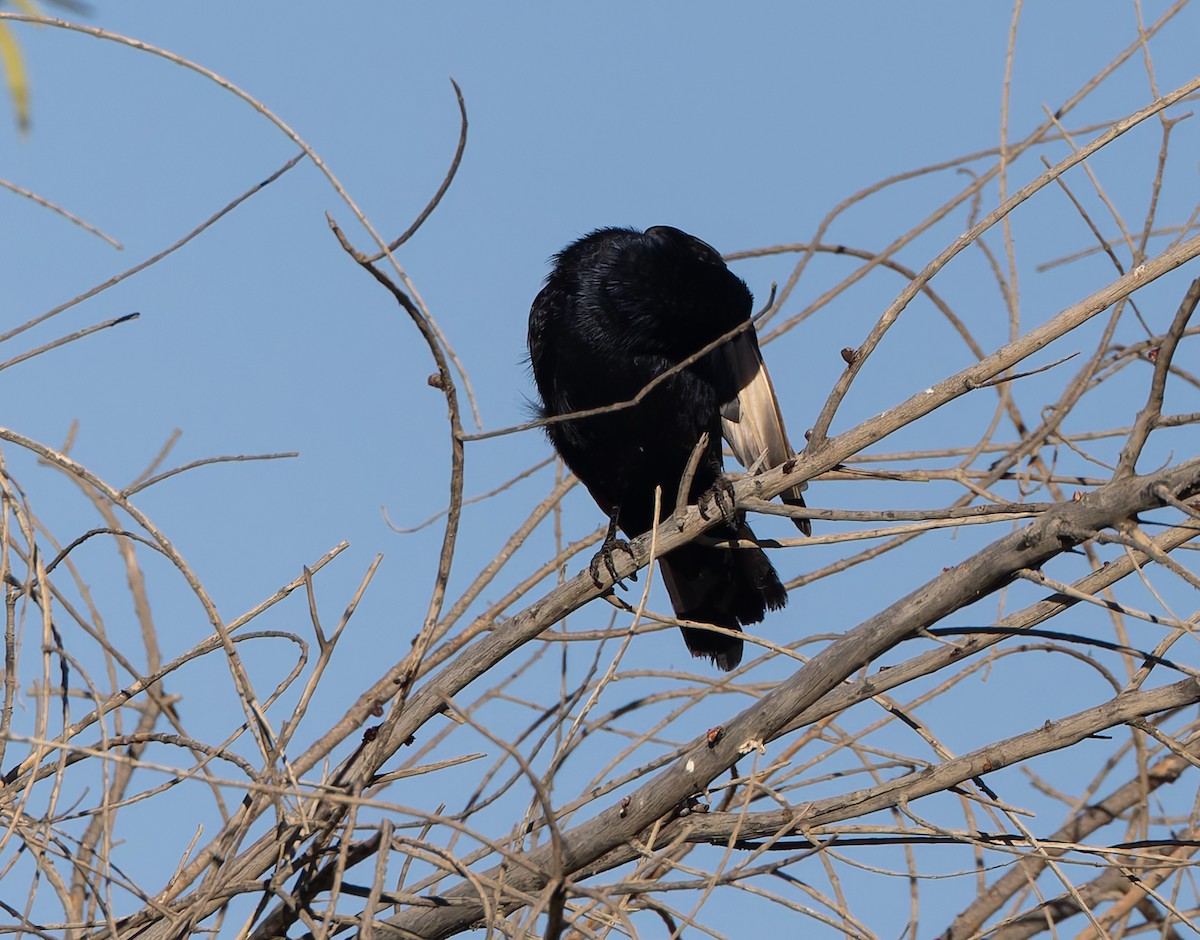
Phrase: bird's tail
(727, 587)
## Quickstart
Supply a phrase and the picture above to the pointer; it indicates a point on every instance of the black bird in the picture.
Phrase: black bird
(620, 308)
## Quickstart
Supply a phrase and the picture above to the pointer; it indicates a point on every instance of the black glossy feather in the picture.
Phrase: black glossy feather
(620, 308)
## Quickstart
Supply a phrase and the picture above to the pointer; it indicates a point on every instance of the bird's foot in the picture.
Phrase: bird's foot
(722, 496)
(612, 543)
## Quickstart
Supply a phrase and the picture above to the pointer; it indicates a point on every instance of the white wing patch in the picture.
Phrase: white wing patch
(753, 423)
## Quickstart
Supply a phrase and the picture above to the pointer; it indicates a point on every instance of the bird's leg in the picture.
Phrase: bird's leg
(612, 542)
(722, 496)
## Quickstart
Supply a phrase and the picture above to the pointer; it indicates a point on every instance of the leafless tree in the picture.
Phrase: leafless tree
(813, 769)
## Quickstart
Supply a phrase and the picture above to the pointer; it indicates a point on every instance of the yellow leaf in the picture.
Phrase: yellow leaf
(15, 75)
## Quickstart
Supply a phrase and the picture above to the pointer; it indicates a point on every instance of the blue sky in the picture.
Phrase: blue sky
(261, 336)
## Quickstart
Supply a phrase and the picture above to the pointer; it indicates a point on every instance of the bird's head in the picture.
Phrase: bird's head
(676, 290)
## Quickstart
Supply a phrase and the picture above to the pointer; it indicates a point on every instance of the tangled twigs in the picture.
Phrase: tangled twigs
(1164, 355)
(1030, 547)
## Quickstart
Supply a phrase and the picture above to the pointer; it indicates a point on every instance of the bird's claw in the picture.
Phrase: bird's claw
(605, 555)
(722, 495)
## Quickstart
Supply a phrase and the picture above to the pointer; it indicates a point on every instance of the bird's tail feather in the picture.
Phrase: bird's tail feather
(727, 587)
